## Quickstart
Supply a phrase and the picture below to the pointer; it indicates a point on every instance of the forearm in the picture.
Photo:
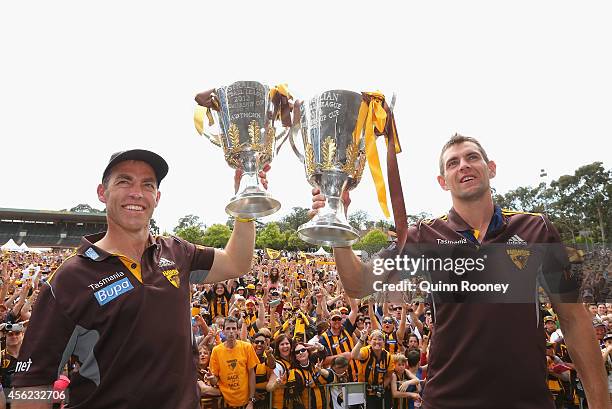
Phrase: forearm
(251, 383)
(586, 356)
(355, 353)
(354, 274)
(240, 246)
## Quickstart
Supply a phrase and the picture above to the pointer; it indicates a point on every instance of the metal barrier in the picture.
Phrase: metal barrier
(350, 393)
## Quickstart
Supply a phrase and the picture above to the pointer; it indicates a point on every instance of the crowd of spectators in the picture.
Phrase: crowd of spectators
(301, 335)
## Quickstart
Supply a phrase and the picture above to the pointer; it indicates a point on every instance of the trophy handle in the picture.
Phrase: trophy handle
(213, 138)
(295, 127)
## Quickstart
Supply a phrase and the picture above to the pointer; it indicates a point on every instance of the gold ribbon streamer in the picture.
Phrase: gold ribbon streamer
(206, 100)
(373, 117)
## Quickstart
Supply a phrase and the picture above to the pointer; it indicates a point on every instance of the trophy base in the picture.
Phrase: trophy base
(328, 233)
(252, 205)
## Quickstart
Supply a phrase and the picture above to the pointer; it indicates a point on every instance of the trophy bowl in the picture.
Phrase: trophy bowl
(334, 159)
(241, 121)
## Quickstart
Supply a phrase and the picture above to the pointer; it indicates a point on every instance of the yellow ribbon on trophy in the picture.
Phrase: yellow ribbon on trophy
(373, 117)
(207, 101)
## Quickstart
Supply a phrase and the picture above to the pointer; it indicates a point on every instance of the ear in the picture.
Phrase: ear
(492, 169)
(101, 190)
(442, 182)
(157, 198)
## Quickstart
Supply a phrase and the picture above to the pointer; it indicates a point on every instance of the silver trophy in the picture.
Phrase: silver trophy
(243, 126)
(334, 159)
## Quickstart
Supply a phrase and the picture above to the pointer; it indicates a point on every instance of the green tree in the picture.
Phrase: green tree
(271, 236)
(358, 219)
(297, 217)
(586, 197)
(189, 221)
(153, 227)
(372, 242)
(217, 236)
(193, 234)
(294, 242)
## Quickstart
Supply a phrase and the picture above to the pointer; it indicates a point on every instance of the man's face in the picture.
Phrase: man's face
(600, 331)
(230, 331)
(397, 311)
(341, 372)
(388, 323)
(550, 326)
(601, 309)
(466, 174)
(131, 195)
(593, 309)
(260, 345)
(336, 322)
(413, 343)
(14, 338)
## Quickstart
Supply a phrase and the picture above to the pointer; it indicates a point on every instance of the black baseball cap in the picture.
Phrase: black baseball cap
(159, 165)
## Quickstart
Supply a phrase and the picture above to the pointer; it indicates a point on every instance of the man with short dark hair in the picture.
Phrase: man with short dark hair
(121, 303)
(232, 365)
(467, 333)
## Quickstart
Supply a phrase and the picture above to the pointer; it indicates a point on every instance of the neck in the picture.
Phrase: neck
(13, 350)
(128, 243)
(477, 213)
(230, 343)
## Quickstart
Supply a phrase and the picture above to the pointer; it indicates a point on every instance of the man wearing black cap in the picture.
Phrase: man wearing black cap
(120, 306)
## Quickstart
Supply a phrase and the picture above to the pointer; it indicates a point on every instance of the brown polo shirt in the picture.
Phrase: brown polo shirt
(127, 323)
(487, 350)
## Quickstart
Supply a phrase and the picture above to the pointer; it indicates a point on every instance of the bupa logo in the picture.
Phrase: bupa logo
(112, 291)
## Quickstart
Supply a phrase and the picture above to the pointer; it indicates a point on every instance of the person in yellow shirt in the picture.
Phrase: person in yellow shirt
(232, 365)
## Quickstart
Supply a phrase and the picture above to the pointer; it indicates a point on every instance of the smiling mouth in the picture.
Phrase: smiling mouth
(467, 179)
(133, 208)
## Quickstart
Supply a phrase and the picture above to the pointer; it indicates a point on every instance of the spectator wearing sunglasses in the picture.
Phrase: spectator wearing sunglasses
(391, 335)
(305, 380)
(263, 369)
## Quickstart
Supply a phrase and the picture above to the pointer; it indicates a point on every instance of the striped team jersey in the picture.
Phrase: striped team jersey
(218, 305)
(337, 344)
(372, 370)
(392, 344)
(278, 394)
(304, 386)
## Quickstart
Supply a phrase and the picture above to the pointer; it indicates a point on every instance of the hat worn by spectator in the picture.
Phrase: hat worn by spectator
(250, 287)
(343, 309)
(549, 318)
(598, 323)
(335, 313)
(607, 336)
(249, 301)
(159, 165)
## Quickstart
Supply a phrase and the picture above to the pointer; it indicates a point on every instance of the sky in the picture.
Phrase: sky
(81, 80)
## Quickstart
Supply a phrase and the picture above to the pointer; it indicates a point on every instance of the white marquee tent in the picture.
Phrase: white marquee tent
(10, 246)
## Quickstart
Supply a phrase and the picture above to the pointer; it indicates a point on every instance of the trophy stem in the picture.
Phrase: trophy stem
(251, 201)
(330, 226)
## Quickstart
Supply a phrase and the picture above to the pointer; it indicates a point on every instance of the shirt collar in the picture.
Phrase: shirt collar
(459, 225)
(88, 249)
